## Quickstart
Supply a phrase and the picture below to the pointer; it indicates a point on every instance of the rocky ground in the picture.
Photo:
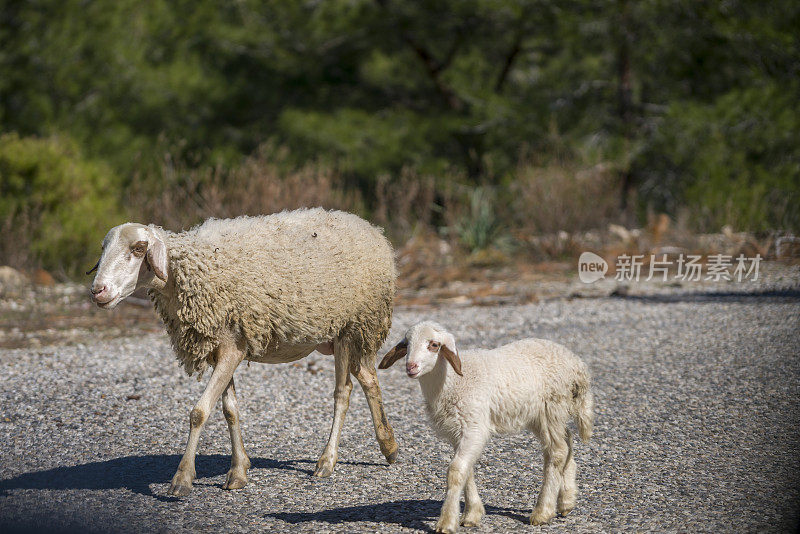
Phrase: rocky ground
(697, 392)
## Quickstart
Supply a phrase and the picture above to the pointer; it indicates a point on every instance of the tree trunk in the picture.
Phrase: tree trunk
(625, 98)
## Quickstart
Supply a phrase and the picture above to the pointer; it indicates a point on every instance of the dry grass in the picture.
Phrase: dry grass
(563, 198)
(184, 197)
(406, 202)
(445, 229)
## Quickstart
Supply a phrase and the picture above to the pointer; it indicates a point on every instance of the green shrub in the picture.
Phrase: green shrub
(733, 162)
(480, 228)
(55, 206)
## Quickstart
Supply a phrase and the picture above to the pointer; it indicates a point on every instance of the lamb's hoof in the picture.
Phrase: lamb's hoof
(564, 511)
(235, 481)
(324, 468)
(447, 527)
(472, 517)
(392, 458)
(540, 518)
(176, 489)
(470, 522)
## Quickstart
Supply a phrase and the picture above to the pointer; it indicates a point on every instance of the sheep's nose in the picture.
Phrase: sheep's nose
(96, 290)
(412, 368)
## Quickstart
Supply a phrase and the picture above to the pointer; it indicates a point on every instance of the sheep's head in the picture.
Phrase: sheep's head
(133, 254)
(423, 345)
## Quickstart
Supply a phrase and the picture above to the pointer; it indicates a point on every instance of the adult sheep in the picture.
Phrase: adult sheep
(268, 289)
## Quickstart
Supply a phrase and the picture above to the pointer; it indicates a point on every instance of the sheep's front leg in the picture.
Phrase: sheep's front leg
(473, 507)
(228, 358)
(341, 401)
(467, 452)
(240, 463)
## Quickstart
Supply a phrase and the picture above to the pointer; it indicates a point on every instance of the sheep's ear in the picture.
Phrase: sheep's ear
(157, 256)
(450, 353)
(393, 355)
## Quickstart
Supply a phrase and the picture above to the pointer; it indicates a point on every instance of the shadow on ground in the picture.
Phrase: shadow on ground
(785, 295)
(411, 513)
(137, 473)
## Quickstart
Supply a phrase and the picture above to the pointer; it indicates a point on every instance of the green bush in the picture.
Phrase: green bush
(55, 205)
(480, 228)
(733, 162)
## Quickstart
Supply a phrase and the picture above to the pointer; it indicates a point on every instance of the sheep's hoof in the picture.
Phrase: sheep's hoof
(564, 511)
(392, 458)
(181, 484)
(234, 481)
(540, 518)
(323, 471)
(177, 489)
(324, 468)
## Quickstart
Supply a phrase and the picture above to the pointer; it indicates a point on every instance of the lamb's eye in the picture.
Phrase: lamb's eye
(434, 345)
(139, 249)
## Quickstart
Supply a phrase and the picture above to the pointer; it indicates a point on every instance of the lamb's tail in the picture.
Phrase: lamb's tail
(584, 409)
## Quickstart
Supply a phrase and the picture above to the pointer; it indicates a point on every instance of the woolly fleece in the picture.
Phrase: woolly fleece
(292, 278)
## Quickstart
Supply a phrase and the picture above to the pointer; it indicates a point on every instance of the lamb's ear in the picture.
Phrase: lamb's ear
(450, 353)
(93, 269)
(157, 256)
(393, 355)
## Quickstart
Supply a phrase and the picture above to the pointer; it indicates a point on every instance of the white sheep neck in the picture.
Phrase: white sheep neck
(437, 381)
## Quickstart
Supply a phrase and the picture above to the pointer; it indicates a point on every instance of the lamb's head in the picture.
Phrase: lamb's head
(133, 254)
(423, 345)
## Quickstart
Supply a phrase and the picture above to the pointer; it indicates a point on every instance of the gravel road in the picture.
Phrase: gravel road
(696, 429)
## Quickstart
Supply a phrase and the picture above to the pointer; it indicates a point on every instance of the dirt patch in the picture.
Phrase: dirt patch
(34, 316)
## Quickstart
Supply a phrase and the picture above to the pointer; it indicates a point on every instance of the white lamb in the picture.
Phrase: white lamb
(531, 384)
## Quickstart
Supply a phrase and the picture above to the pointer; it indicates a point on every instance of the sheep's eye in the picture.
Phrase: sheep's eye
(434, 345)
(139, 248)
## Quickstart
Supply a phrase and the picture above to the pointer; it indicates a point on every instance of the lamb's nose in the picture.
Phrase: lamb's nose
(96, 290)
(411, 368)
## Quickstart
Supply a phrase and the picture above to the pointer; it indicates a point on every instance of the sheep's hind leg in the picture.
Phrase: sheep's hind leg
(341, 401)
(569, 488)
(240, 463)
(473, 507)
(368, 378)
(228, 358)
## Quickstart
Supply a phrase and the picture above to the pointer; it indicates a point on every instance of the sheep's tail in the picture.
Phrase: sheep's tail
(584, 409)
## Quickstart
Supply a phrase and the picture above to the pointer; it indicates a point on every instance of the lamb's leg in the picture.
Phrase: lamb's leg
(556, 453)
(468, 450)
(368, 378)
(473, 507)
(228, 358)
(341, 401)
(240, 463)
(569, 488)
